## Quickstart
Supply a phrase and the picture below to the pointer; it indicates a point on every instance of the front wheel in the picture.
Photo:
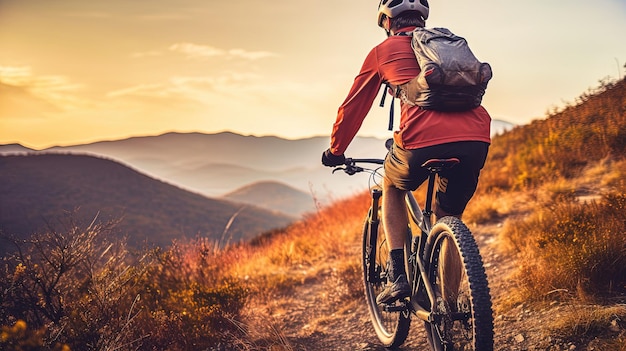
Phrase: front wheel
(392, 327)
(462, 312)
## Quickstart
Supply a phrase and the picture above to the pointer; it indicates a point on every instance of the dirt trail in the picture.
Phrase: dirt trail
(316, 317)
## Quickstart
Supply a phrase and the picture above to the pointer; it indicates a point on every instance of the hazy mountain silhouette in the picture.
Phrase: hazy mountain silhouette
(271, 194)
(14, 148)
(216, 164)
(40, 189)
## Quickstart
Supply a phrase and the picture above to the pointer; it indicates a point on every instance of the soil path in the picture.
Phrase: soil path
(317, 317)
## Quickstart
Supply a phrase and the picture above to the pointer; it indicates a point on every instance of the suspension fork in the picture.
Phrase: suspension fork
(370, 251)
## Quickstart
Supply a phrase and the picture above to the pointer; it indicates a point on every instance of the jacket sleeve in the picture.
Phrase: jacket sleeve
(357, 104)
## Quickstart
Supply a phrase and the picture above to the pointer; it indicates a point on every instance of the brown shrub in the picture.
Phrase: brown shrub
(572, 247)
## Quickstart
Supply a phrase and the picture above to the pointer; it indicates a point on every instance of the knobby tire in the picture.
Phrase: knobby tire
(456, 271)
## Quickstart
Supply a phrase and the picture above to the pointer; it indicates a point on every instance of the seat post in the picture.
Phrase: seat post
(435, 166)
(428, 208)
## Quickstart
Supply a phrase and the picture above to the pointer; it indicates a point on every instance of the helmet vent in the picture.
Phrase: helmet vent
(395, 3)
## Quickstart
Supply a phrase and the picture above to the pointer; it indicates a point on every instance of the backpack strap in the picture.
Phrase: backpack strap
(393, 96)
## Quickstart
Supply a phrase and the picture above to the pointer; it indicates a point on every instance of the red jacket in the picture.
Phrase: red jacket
(393, 61)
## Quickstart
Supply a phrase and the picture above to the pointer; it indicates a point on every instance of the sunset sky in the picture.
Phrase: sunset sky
(76, 71)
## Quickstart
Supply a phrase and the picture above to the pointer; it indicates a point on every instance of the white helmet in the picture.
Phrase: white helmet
(392, 8)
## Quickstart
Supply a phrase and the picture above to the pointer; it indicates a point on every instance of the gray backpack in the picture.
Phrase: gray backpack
(451, 77)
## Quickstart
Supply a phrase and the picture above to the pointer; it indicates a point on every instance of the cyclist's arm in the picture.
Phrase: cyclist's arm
(356, 105)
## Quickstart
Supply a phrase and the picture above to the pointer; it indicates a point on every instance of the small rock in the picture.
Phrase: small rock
(519, 338)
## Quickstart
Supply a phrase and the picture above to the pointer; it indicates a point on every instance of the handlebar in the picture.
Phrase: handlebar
(350, 166)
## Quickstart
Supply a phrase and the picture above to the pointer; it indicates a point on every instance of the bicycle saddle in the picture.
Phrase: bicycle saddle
(437, 164)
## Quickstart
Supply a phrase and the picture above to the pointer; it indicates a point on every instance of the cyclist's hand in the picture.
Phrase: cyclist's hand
(331, 160)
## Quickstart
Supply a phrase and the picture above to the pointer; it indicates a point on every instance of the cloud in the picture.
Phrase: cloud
(251, 55)
(55, 89)
(203, 89)
(151, 90)
(18, 104)
(143, 54)
(15, 75)
(196, 51)
(227, 100)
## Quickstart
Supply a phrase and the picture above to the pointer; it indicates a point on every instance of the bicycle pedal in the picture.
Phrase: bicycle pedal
(401, 307)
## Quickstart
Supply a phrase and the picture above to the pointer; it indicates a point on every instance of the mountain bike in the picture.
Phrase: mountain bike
(450, 292)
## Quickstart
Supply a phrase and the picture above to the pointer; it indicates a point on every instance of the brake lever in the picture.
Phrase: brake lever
(350, 171)
(349, 167)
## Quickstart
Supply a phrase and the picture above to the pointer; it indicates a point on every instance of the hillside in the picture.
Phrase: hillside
(41, 189)
(562, 145)
(270, 194)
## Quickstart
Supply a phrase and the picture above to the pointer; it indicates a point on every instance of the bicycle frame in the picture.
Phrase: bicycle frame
(421, 220)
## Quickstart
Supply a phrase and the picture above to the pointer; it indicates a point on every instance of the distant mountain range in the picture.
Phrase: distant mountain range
(39, 190)
(217, 164)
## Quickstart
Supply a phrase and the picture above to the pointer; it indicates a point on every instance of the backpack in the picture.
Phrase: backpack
(451, 77)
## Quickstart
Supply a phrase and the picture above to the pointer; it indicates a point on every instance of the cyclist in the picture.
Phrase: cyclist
(422, 135)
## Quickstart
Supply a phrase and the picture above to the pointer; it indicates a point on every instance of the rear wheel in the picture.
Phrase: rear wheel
(463, 318)
(392, 327)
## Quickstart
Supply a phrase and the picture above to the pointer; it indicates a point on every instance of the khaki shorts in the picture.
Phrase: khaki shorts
(456, 185)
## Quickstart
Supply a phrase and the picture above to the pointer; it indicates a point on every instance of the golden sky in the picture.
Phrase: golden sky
(76, 71)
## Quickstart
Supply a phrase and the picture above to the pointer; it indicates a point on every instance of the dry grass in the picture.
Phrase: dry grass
(276, 263)
(603, 326)
(491, 207)
(259, 332)
(613, 175)
(572, 244)
(283, 259)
